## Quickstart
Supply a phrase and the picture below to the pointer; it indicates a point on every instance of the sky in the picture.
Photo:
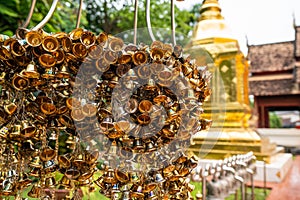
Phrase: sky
(261, 21)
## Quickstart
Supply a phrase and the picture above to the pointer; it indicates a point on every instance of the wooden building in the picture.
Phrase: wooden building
(275, 77)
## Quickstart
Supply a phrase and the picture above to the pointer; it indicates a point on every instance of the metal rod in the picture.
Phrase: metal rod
(26, 23)
(173, 22)
(47, 17)
(136, 7)
(265, 178)
(148, 21)
(79, 13)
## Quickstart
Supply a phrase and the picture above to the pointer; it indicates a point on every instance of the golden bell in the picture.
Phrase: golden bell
(16, 131)
(150, 146)
(121, 176)
(159, 178)
(144, 72)
(63, 161)
(20, 82)
(3, 132)
(79, 50)
(165, 75)
(34, 38)
(10, 108)
(47, 154)
(168, 49)
(137, 191)
(102, 38)
(144, 119)
(102, 65)
(140, 58)
(115, 44)
(156, 54)
(73, 103)
(122, 126)
(49, 73)
(50, 182)
(16, 48)
(177, 51)
(36, 162)
(95, 51)
(91, 157)
(88, 38)
(76, 33)
(72, 174)
(48, 108)
(66, 44)
(21, 33)
(131, 106)
(109, 176)
(173, 188)
(77, 114)
(156, 44)
(31, 71)
(7, 188)
(110, 57)
(149, 186)
(138, 145)
(47, 60)
(59, 55)
(66, 183)
(63, 72)
(27, 129)
(107, 124)
(151, 196)
(35, 191)
(145, 106)
(50, 44)
(124, 59)
(89, 110)
(5, 54)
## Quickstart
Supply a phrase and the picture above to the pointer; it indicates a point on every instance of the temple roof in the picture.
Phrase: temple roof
(271, 57)
(271, 87)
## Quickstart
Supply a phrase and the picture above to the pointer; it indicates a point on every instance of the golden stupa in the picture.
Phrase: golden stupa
(228, 107)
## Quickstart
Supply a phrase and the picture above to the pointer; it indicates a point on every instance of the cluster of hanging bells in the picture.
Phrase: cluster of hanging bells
(65, 108)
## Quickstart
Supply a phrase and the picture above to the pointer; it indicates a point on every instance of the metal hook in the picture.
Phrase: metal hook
(47, 17)
(136, 7)
(26, 23)
(148, 20)
(79, 13)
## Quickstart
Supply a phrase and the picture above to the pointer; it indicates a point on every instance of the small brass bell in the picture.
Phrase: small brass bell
(48, 108)
(107, 124)
(20, 82)
(115, 44)
(34, 38)
(16, 48)
(47, 60)
(79, 50)
(31, 71)
(72, 174)
(140, 58)
(66, 44)
(66, 183)
(156, 54)
(50, 43)
(63, 161)
(21, 33)
(3, 132)
(137, 191)
(50, 182)
(28, 130)
(47, 154)
(109, 176)
(88, 38)
(145, 106)
(76, 33)
(63, 72)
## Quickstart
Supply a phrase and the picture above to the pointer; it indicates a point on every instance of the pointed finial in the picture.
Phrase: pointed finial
(210, 9)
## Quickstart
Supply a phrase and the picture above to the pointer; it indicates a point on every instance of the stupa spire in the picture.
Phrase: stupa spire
(210, 9)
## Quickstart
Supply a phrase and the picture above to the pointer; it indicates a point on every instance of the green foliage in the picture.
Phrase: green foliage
(275, 121)
(113, 18)
(14, 12)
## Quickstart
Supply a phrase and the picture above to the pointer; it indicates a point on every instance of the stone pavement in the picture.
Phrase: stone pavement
(289, 188)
